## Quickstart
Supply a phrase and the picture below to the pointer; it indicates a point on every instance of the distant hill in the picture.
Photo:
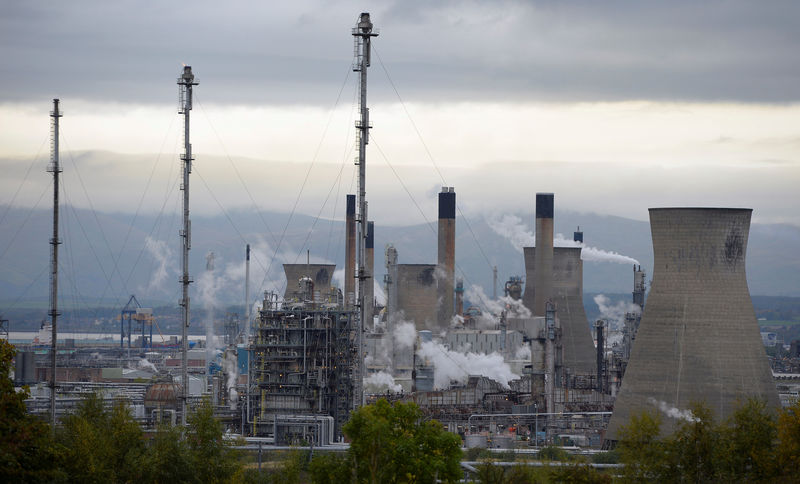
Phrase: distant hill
(141, 257)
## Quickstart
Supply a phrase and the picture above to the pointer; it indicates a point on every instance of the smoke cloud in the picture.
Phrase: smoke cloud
(452, 366)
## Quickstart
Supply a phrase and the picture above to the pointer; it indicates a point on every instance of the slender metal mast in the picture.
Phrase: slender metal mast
(185, 82)
(363, 34)
(55, 168)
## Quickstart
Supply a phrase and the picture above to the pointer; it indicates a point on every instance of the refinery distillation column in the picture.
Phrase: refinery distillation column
(55, 169)
(186, 81)
(363, 37)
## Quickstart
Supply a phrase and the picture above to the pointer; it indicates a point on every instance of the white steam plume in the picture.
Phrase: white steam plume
(615, 315)
(231, 368)
(380, 296)
(380, 382)
(673, 412)
(450, 365)
(404, 334)
(523, 352)
(144, 364)
(162, 253)
(519, 235)
(493, 307)
(511, 227)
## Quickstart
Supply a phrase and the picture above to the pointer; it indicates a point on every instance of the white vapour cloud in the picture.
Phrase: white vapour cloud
(229, 364)
(673, 412)
(405, 334)
(144, 364)
(615, 314)
(450, 365)
(493, 307)
(162, 253)
(338, 279)
(511, 227)
(519, 235)
(523, 352)
(380, 296)
(381, 381)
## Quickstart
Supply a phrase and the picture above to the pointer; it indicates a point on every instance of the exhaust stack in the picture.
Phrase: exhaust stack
(350, 252)
(446, 266)
(369, 288)
(544, 253)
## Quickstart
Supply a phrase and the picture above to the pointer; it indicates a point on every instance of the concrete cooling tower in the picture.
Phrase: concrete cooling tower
(566, 289)
(321, 274)
(698, 340)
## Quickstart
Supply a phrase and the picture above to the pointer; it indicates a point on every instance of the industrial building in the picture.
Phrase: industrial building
(698, 340)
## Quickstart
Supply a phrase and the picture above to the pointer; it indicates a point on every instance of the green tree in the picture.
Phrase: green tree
(641, 450)
(213, 458)
(789, 443)
(748, 448)
(27, 452)
(331, 468)
(694, 446)
(100, 445)
(168, 458)
(393, 444)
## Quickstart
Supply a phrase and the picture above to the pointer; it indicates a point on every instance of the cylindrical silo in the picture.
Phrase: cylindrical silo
(698, 340)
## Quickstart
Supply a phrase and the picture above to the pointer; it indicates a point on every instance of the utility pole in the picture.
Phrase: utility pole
(55, 169)
(185, 82)
(362, 34)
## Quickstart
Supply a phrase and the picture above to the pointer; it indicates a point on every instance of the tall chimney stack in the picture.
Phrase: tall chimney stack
(544, 252)
(350, 252)
(447, 255)
(369, 289)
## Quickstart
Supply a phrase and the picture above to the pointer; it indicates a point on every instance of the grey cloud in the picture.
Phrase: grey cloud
(299, 52)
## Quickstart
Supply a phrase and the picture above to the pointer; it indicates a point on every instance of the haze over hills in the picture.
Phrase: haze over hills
(147, 262)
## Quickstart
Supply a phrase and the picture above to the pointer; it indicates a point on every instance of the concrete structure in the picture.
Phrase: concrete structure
(566, 291)
(446, 262)
(417, 295)
(350, 252)
(320, 274)
(369, 287)
(544, 256)
(698, 340)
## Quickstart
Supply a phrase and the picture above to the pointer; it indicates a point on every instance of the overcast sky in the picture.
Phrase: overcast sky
(614, 106)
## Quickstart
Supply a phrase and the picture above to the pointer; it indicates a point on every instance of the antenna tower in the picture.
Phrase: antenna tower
(362, 34)
(55, 168)
(185, 82)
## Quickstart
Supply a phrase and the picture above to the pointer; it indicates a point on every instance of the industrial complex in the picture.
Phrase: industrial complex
(519, 369)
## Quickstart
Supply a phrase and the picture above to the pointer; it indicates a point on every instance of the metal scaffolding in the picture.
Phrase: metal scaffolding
(302, 361)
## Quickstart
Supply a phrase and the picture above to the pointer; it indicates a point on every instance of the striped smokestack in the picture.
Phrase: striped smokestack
(369, 287)
(544, 252)
(446, 265)
(350, 252)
